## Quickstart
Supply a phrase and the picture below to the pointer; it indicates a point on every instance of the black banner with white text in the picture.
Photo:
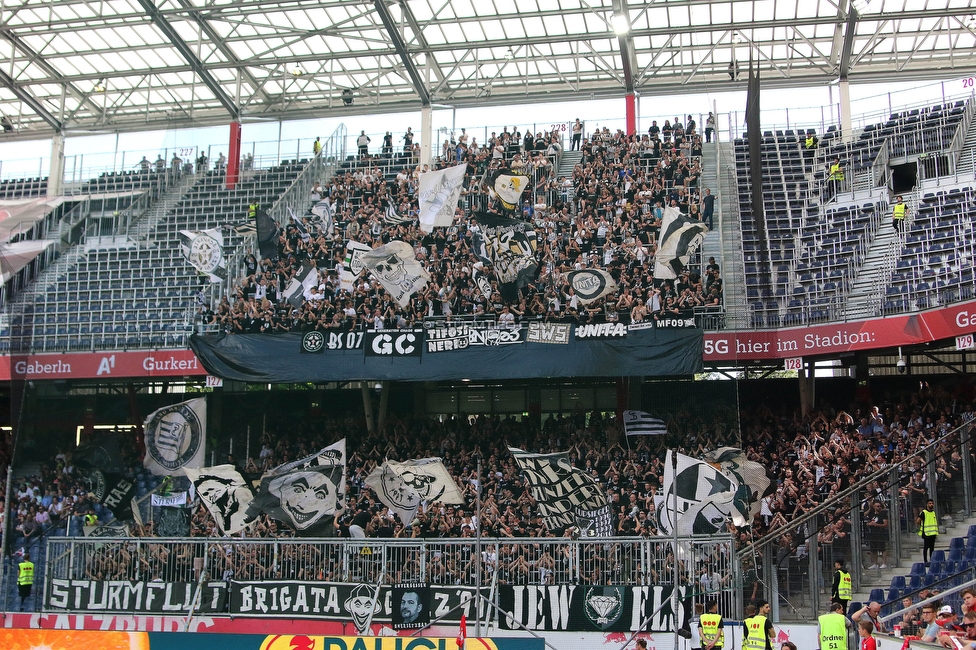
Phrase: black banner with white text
(135, 597)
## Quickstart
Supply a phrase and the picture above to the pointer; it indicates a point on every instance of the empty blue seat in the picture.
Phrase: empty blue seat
(914, 582)
(877, 595)
(957, 542)
(928, 580)
(893, 595)
(897, 582)
(918, 569)
(955, 554)
(935, 568)
(938, 556)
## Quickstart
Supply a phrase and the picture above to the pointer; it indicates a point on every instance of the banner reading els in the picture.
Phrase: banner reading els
(892, 331)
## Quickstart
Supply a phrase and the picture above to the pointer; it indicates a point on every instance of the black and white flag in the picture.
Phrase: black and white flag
(565, 495)
(639, 423)
(299, 225)
(680, 238)
(302, 498)
(591, 284)
(509, 245)
(354, 256)
(112, 490)
(204, 250)
(267, 234)
(305, 278)
(176, 437)
(755, 479)
(507, 187)
(396, 267)
(698, 500)
(225, 494)
(402, 487)
(390, 214)
(325, 211)
(438, 195)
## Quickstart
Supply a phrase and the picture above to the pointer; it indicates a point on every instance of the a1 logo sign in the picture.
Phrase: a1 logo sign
(794, 363)
(964, 342)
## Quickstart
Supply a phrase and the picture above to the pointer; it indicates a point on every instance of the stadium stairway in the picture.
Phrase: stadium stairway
(730, 240)
(145, 224)
(951, 527)
(966, 165)
(867, 291)
(712, 245)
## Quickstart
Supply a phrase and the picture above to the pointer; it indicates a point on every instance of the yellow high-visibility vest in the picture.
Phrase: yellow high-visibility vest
(811, 141)
(898, 211)
(930, 524)
(833, 632)
(26, 575)
(756, 633)
(836, 173)
(710, 628)
(844, 589)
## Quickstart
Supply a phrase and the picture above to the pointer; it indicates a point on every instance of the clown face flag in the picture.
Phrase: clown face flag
(680, 238)
(176, 437)
(301, 498)
(397, 269)
(225, 494)
(706, 499)
(509, 246)
(439, 193)
(204, 249)
(402, 487)
(591, 284)
(566, 496)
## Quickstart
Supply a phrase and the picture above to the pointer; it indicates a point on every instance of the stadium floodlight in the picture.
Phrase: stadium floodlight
(620, 24)
(297, 71)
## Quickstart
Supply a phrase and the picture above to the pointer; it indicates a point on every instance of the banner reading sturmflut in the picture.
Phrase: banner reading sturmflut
(176, 437)
(565, 496)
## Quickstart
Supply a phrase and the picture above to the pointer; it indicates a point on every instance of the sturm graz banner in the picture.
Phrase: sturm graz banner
(590, 608)
(342, 601)
(136, 597)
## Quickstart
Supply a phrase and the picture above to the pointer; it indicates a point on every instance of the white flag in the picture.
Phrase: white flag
(325, 211)
(397, 269)
(176, 437)
(402, 487)
(680, 237)
(702, 497)
(639, 423)
(204, 249)
(225, 493)
(168, 501)
(354, 256)
(439, 193)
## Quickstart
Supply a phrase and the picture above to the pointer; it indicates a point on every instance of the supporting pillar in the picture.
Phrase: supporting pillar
(384, 402)
(368, 407)
(845, 111)
(807, 395)
(631, 109)
(234, 155)
(426, 134)
(623, 397)
(55, 175)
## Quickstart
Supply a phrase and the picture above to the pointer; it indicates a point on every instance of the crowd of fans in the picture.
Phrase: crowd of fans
(606, 215)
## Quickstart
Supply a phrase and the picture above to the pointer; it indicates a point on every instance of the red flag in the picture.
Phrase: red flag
(462, 632)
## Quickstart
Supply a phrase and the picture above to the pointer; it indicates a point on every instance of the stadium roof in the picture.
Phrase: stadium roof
(133, 65)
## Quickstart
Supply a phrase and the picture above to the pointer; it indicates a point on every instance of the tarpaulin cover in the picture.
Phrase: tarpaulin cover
(392, 354)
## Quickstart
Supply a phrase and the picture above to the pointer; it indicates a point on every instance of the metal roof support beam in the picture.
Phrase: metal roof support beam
(34, 103)
(208, 79)
(401, 48)
(849, 32)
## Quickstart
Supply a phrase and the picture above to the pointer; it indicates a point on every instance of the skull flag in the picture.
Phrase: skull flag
(397, 269)
(702, 497)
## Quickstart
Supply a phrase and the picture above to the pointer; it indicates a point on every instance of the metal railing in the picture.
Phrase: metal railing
(870, 524)
(540, 561)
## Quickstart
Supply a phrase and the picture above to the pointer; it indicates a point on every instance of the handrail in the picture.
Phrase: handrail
(843, 497)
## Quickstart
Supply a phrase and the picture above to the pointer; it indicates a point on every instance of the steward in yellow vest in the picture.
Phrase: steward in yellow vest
(710, 628)
(811, 142)
(836, 171)
(898, 213)
(833, 628)
(25, 579)
(842, 588)
(928, 530)
(759, 631)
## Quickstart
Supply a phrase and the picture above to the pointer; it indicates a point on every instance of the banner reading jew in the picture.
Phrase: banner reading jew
(176, 437)
(590, 608)
(565, 496)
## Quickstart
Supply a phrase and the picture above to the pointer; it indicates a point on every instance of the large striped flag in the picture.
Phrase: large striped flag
(680, 237)
(639, 423)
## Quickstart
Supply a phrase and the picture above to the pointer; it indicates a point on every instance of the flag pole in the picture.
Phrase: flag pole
(477, 577)
(674, 530)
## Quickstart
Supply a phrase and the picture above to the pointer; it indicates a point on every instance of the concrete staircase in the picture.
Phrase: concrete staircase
(864, 298)
(955, 526)
(729, 233)
(145, 224)
(568, 162)
(966, 165)
(712, 244)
